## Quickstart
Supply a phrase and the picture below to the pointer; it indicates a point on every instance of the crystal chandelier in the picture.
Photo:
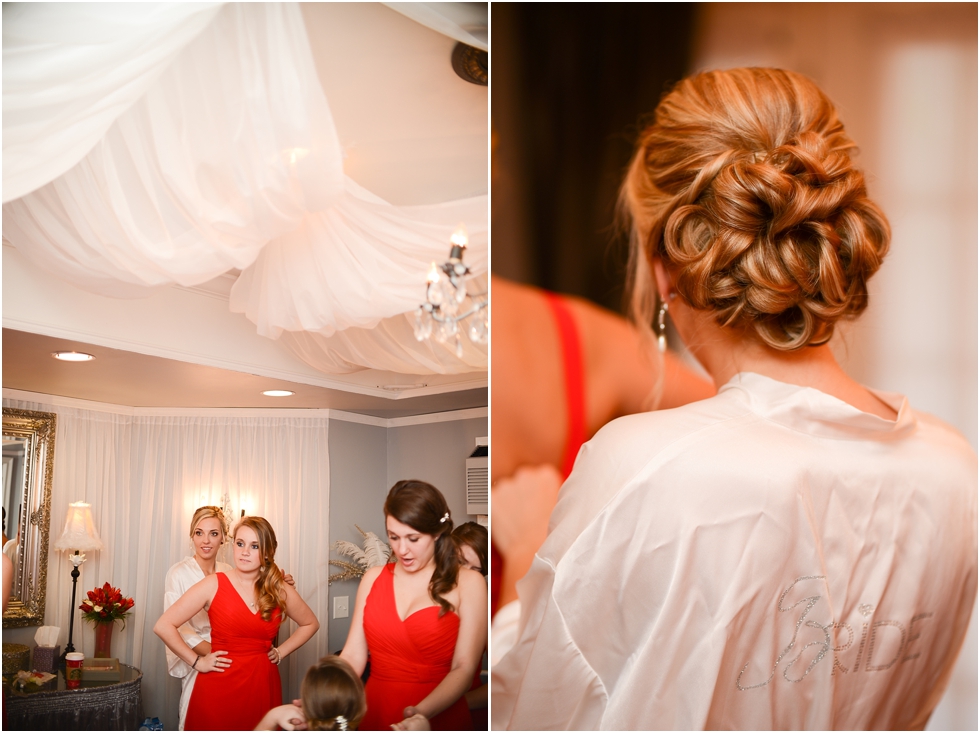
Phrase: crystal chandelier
(446, 308)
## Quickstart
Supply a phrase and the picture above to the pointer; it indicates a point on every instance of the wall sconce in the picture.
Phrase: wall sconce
(79, 535)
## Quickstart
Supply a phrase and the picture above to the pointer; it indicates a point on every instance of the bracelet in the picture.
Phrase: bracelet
(278, 655)
(196, 660)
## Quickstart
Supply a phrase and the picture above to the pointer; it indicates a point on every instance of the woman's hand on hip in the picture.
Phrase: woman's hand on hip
(213, 662)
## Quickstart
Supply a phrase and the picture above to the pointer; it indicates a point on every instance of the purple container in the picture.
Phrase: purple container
(46, 658)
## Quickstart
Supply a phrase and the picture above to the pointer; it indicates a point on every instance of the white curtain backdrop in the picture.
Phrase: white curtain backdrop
(230, 160)
(144, 475)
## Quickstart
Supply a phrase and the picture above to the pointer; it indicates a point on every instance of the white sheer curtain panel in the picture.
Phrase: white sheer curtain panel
(70, 69)
(144, 475)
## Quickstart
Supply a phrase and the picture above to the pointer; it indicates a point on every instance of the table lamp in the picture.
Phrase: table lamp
(80, 536)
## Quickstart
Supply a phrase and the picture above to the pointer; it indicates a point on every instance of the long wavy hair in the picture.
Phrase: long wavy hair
(475, 537)
(423, 508)
(743, 186)
(272, 594)
(332, 695)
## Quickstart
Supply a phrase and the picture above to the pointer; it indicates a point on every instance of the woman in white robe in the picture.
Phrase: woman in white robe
(798, 552)
(208, 533)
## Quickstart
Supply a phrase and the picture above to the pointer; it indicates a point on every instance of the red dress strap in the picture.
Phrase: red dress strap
(571, 351)
(574, 371)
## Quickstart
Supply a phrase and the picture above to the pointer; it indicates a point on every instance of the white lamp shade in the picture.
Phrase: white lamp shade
(79, 531)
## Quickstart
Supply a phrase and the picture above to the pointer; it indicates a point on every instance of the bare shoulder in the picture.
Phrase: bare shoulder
(471, 582)
(204, 590)
(600, 327)
(370, 575)
(210, 582)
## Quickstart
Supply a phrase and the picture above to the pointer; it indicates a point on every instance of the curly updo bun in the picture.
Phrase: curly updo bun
(743, 185)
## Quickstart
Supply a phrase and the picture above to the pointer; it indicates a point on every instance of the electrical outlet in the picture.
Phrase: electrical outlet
(340, 607)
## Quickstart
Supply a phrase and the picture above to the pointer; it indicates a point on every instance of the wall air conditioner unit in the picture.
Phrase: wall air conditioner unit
(478, 479)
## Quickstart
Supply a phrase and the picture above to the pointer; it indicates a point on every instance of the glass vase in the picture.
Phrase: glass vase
(103, 640)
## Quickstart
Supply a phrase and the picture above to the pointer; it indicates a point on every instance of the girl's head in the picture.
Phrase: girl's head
(255, 543)
(420, 530)
(208, 531)
(744, 190)
(472, 540)
(332, 695)
(255, 549)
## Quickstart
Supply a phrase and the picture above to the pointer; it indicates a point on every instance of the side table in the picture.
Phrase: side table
(93, 706)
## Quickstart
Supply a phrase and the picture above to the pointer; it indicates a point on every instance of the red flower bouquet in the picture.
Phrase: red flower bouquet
(105, 605)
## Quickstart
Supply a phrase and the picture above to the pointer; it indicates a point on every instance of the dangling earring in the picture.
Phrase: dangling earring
(662, 327)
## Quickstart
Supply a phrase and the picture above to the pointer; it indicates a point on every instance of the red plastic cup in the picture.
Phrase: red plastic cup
(73, 669)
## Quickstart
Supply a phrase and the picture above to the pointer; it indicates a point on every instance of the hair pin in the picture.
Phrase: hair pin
(444, 518)
(341, 722)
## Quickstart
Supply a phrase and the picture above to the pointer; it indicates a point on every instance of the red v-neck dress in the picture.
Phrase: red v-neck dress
(237, 698)
(408, 659)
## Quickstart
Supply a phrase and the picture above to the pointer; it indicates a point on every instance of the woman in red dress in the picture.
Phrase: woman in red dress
(246, 607)
(422, 618)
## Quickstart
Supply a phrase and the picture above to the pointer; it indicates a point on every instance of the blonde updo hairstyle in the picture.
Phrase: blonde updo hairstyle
(272, 593)
(743, 186)
(210, 512)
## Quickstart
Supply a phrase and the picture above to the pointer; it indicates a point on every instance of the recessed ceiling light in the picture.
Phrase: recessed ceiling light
(277, 393)
(72, 356)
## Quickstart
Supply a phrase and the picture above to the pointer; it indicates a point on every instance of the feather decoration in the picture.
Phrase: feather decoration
(349, 549)
(376, 551)
(350, 571)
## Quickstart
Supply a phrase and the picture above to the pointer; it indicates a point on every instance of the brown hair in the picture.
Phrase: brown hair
(475, 536)
(330, 690)
(209, 512)
(423, 508)
(743, 186)
(272, 594)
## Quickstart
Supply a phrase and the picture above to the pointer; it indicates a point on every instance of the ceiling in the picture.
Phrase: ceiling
(412, 131)
(137, 380)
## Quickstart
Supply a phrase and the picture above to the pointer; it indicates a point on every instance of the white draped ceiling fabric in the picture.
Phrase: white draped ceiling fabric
(180, 142)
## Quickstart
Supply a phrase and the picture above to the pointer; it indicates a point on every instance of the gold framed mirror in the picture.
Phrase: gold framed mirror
(28, 461)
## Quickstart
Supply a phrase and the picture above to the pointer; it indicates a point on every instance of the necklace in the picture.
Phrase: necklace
(252, 603)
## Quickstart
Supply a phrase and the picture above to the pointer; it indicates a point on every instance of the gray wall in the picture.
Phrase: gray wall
(436, 453)
(365, 461)
(358, 486)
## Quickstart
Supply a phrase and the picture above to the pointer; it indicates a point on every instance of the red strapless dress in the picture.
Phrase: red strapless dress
(408, 659)
(237, 698)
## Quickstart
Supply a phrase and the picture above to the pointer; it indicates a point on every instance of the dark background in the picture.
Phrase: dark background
(571, 85)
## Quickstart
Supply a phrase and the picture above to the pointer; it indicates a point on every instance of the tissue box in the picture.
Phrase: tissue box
(100, 669)
(46, 658)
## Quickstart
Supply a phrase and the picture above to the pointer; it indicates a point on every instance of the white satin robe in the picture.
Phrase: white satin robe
(180, 578)
(770, 558)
